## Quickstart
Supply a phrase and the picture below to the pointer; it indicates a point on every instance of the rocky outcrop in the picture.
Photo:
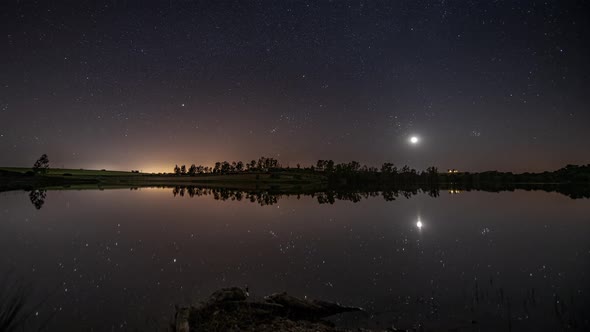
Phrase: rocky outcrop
(230, 309)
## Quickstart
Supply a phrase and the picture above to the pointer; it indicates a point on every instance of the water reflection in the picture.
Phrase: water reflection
(419, 224)
(37, 198)
(269, 197)
(330, 196)
(514, 259)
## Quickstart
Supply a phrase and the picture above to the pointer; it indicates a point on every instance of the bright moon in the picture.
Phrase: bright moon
(414, 140)
(419, 224)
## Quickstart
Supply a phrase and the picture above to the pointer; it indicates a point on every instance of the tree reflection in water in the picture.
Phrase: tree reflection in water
(356, 194)
(269, 197)
(37, 198)
(331, 195)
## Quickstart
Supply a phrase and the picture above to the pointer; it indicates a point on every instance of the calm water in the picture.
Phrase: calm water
(120, 259)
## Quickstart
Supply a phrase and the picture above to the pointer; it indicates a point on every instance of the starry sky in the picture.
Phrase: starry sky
(145, 85)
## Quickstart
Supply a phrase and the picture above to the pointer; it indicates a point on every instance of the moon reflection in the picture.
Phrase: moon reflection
(419, 224)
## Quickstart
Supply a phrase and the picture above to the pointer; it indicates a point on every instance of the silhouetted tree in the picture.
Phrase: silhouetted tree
(387, 168)
(192, 170)
(176, 170)
(432, 171)
(329, 164)
(320, 165)
(183, 169)
(261, 163)
(272, 163)
(239, 166)
(41, 165)
(225, 167)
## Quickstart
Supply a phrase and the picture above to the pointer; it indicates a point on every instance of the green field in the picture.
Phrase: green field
(76, 172)
(17, 178)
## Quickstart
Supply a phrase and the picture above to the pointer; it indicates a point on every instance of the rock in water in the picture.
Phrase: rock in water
(297, 308)
(231, 294)
(228, 309)
(182, 316)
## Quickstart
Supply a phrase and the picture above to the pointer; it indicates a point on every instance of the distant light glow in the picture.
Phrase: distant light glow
(419, 224)
(414, 140)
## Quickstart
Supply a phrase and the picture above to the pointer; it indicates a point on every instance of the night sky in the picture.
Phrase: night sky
(144, 85)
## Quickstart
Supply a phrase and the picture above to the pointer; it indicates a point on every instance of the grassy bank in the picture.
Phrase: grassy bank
(12, 178)
(76, 172)
(571, 180)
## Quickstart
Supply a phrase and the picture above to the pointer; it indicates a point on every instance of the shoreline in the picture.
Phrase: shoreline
(281, 181)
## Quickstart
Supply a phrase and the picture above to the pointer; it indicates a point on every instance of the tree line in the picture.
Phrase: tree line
(572, 174)
(265, 164)
(354, 172)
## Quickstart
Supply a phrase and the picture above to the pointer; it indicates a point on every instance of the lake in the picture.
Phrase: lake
(118, 260)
